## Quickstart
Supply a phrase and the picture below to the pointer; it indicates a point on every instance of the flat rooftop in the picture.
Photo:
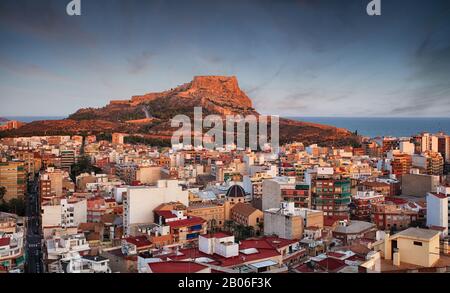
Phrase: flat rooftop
(424, 234)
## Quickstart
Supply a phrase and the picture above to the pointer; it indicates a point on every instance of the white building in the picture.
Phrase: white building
(118, 193)
(139, 202)
(74, 263)
(219, 243)
(429, 142)
(62, 247)
(67, 213)
(437, 211)
(407, 147)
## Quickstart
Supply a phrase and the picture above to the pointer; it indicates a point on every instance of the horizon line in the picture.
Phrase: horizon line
(282, 116)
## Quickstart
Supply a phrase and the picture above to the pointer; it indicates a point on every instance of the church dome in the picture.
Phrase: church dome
(236, 191)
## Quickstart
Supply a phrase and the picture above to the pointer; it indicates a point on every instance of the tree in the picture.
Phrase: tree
(260, 227)
(83, 165)
(2, 193)
(213, 225)
(228, 225)
(239, 232)
(14, 206)
(17, 206)
(249, 231)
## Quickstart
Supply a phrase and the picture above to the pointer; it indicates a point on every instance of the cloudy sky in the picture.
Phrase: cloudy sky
(294, 58)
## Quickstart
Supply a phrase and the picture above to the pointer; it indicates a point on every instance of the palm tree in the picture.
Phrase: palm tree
(240, 230)
(260, 227)
(212, 225)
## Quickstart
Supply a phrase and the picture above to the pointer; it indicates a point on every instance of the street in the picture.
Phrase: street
(34, 262)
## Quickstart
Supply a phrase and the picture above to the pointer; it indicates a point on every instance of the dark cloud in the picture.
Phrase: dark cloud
(266, 82)
(44, 19)
(140, 62)
(28, 69)
(430, 79)
(289, 55)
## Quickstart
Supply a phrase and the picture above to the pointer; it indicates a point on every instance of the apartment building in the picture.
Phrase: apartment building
(12, 237)
(140, 201)
(13, 178)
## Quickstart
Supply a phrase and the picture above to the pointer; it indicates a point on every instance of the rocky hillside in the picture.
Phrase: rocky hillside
(215, 94)
(150, 114)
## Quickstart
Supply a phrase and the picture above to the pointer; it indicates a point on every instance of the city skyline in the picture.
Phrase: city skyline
(295, 58)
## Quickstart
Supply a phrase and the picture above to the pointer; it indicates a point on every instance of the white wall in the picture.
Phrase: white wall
(437, 211)
(80, 212)
(141, 201)
(118, 193)
(51, 216)
(407, 147)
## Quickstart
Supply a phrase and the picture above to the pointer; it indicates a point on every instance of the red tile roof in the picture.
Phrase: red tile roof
(139, 241)
(335, 254)
(266, 243)
(165, 214)
(176, 267)
(438, 228)
(304, 268)
(4, 241)
(397, 201)
(331, 264)
(186, 223)
(439, 195)
(356, 257)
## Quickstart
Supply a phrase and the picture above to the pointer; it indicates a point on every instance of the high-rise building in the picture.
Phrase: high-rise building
(13, 178)
(435, 163)
(429, 142)
(331, 194)
(407, 147)
(444, 147)
(401, 164)
(431, 163)
(68, 158)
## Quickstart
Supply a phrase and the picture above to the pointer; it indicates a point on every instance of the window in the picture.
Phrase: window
(417, 243)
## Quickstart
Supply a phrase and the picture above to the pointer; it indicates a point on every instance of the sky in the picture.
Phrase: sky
(292, 58)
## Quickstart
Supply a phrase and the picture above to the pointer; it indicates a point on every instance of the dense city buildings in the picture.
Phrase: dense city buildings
(119, 207)
(247, 140)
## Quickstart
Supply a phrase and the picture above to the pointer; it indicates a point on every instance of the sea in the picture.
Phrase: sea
(371, 127)
(374, 127)
(28, 119)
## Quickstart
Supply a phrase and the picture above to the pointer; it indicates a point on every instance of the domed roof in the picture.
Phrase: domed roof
(236, 191)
